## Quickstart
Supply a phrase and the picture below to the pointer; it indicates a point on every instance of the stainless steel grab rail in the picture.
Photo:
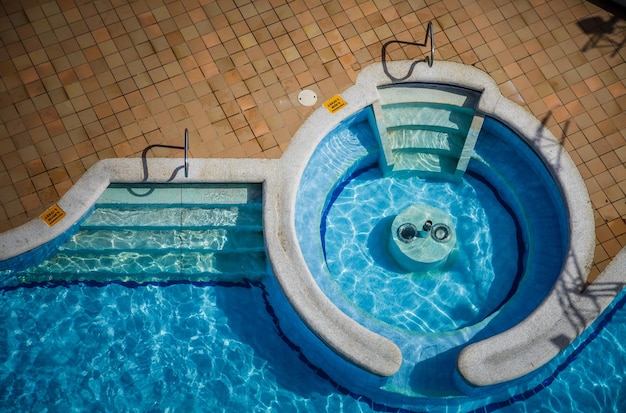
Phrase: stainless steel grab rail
(186, 148)
(432, 43)
(429, 59)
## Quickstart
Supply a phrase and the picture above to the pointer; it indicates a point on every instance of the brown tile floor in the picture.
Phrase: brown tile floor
(82, 81)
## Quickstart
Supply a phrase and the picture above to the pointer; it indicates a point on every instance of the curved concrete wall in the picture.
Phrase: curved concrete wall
(531, 343)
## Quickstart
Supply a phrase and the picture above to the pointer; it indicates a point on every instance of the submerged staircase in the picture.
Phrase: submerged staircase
(164, 233)
(427, 129)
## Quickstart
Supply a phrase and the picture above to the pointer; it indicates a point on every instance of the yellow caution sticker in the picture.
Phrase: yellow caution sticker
(52, 215)
(335, 103)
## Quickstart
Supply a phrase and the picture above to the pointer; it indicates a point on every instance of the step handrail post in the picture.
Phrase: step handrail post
(429, 59)
(186, 148)
(429, 30)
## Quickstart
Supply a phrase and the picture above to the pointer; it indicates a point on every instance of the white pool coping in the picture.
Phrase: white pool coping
(560, 318)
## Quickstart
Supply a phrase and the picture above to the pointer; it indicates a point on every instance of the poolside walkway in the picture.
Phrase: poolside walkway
(84, 81)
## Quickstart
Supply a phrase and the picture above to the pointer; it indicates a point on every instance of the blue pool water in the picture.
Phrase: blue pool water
(188, 347)
(501, 210)
(499, 272)
(181, 347)
(443, 298)
(197, 232)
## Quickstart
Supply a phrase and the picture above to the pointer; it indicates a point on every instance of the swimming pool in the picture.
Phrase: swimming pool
(189, 341)
(349, 360)
(487, 267)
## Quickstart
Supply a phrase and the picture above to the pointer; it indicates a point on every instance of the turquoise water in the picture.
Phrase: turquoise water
(501, 208)
(152, 302)
(181, 348)
(587, 377)
(175, 345)
(198, 232)
(502, 268)
(444, 298)
(217, 348)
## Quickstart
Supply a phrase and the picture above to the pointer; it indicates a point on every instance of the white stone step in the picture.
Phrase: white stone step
(191, 194)
(246, 215)
(212, 239)
(130, 265)
(430, 93)
(428, 114)
(426, 163)
(426, 140)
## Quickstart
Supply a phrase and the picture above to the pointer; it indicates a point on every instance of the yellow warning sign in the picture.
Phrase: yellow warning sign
(52, 215)
(335, 103)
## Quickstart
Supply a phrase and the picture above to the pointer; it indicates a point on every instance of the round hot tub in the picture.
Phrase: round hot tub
(403, 321)
(488, 266)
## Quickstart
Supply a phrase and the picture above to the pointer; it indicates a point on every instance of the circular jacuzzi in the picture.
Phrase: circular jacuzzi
(379, 268)
(478, 255)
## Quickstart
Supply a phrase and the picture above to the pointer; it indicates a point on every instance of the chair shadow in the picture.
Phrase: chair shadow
(610, 33)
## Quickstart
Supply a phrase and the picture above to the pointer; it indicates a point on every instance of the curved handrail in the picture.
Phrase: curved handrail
(144, 161)
(144, 154)
(429, 59)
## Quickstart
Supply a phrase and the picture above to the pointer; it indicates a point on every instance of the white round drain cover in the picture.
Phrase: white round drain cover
(307, 97)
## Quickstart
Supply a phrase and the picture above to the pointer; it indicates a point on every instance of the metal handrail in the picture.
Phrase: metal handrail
(432, 44)
(186, 148)
(429, 59)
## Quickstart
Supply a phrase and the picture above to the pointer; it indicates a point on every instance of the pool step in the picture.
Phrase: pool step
(454, 118)
(150, 266)
(168, 194)
(426, 138)
(426, 129)
(415, 160)
(428, 93)
(123, 239)
(167, 217)
(150, 232)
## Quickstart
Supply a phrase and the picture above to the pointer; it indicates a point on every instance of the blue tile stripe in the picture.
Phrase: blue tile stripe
(128, 284)
(333, 197)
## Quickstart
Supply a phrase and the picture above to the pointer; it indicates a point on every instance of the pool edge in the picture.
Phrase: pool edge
(565, 312)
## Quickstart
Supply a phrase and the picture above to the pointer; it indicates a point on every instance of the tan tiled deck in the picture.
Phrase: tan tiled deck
(82, 81)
